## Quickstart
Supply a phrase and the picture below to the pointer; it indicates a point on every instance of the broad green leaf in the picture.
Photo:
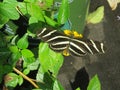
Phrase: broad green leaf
(57, 86)
(10, 1)
(50, 21)
(35, 11)
(11, 80)
(78, 13)
(96, 16)
(9, 11)
(27, 53)
(63, 13)
(94, 84)
(49, 60)
(23, 42)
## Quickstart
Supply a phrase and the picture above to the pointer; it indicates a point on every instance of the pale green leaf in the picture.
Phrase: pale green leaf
(96, 16)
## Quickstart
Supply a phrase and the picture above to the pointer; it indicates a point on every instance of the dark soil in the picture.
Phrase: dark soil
(76, 72)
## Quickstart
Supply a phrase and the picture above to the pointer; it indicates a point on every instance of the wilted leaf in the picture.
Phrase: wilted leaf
(94, 84)
(113, 3)
(96, 16)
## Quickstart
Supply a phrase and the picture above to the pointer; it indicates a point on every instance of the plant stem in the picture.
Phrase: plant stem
(25, 77)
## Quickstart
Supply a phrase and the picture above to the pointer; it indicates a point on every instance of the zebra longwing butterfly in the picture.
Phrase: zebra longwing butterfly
(75, 46)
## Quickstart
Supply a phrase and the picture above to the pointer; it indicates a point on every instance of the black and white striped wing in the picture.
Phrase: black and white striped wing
(80, 47)
(57, 41)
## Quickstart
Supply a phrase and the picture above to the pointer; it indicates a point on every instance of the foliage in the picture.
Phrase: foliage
(16, 52)
(94, 84)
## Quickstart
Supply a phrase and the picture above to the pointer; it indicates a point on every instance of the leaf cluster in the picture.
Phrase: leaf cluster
(15, 51)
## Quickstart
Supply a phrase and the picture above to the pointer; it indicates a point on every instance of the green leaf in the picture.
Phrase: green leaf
(94, 84)
(13, 49)
(77, 89)
(20, 81)
(33, 20)
(15, 57)
(57, 85)
(7, 68)
(11, 80)
(34, 65)
(3, 20)
(63, 13)
(8, 10)
(96, 16)
(50, 21)
(27, 53)
(78, 13)
(22, 8)
(23, 42)
(26, 71)
(35, 11)
(49, 60)
(28, 61)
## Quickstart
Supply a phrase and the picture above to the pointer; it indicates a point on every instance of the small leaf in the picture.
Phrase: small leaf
(26, 71)
(77, 89)
(50, 21)
(63, 13)
(27, 53)
(23, 42)
(94, 84)
(13, 49)
(11, 80)
(96, 16)
(20, 81)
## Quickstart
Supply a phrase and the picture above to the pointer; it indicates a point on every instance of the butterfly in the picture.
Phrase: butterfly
(60, 42)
